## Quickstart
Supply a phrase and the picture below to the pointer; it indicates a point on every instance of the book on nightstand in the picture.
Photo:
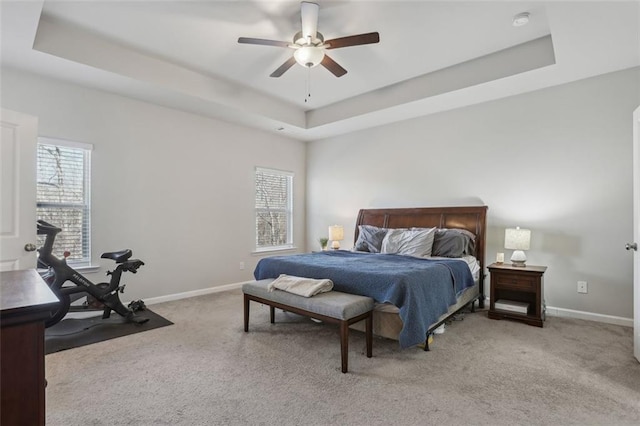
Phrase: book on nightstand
(512, 306)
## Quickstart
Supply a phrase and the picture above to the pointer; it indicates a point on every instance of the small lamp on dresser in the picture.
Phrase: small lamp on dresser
(518, 240)
(336, 234)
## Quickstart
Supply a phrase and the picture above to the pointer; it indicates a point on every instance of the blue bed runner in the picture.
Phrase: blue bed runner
(423, 289)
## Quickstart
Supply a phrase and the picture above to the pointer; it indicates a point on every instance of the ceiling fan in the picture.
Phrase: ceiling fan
(310, 45)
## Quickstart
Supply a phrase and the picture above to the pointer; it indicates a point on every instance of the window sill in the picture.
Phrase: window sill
(273, 250)
(86, 268)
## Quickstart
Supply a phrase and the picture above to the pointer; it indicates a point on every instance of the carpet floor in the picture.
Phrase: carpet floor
(205, 370)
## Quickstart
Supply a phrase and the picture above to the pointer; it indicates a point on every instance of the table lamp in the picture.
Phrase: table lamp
(336, 234)
(517, 239)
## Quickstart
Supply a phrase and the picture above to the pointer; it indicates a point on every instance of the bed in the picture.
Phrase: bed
(413, 294)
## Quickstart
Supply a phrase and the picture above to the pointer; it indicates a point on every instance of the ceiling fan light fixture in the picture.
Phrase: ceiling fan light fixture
(309, 56)
(309, 45)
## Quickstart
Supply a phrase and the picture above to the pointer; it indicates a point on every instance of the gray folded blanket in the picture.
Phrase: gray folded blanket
(301, 286)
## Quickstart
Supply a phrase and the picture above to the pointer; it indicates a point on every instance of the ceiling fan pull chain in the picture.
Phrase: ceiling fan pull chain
(308, 85)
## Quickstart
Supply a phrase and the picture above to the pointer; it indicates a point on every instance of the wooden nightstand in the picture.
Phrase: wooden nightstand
(517, 290)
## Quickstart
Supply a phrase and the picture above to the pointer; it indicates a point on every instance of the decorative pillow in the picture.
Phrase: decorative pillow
(370, 238)
(409, 242)
(453, 243)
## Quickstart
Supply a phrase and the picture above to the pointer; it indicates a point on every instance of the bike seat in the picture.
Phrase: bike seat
(118, 256)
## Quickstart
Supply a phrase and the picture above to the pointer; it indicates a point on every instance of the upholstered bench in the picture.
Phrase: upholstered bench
(331, 307)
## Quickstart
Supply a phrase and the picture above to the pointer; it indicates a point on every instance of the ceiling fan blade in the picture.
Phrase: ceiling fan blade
(263, 42)
(309, 15)
(333, 66)
(284, 67)
(354, 40)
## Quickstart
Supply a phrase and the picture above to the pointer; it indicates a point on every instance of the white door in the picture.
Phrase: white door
(18, 142)
(633, 246)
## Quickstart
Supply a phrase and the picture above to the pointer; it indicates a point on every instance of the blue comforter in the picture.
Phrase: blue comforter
(423, 289)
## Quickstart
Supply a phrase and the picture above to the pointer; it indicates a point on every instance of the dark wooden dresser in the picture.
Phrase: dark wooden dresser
(25, 301)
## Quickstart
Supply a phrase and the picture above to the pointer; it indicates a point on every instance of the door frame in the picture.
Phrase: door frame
(636, 233)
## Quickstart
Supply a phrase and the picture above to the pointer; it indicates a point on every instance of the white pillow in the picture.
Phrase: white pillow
(410, 242)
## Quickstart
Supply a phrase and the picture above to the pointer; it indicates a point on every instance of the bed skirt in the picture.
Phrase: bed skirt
(387, 323)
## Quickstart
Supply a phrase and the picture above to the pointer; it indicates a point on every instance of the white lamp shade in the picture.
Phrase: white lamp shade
(309, 56)
(336, 233)
(517, 239)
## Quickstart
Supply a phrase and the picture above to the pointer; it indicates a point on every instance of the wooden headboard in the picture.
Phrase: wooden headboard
(473, 219)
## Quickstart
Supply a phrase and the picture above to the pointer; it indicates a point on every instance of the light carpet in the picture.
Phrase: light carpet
(205, 370)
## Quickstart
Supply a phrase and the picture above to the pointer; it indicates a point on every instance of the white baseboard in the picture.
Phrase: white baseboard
(570, 313)
(194, 293)
(551, 311)
(161, 299)
(589, 316)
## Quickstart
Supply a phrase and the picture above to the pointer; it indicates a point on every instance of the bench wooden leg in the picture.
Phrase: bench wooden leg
(344, 324)
(344, 344)
(246, 313)
(369, 334)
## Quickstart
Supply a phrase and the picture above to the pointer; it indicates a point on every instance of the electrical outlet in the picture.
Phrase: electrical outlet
(242, 266)
(582, 287)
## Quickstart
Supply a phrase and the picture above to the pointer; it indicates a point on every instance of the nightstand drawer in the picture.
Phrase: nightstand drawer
(516, 282)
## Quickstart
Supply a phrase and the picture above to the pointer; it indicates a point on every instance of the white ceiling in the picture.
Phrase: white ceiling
(432, 55)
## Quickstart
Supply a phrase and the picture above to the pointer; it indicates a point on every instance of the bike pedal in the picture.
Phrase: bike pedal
(137, 305)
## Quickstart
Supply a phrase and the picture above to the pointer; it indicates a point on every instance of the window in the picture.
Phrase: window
(274, 209)
(63, 196)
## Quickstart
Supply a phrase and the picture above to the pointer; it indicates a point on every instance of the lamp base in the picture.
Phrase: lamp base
(335, 245)
(518, 259)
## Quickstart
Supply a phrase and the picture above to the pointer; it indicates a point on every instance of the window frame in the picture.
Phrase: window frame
(288, 210)
(86, 260)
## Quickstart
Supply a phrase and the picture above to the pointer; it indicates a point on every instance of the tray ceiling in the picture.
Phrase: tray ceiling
(432, 55)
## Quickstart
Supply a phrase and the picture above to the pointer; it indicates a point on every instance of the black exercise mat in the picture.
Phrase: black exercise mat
(72, 333)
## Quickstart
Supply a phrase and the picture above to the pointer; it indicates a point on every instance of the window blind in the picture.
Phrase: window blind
(274, 211)
(63, 197)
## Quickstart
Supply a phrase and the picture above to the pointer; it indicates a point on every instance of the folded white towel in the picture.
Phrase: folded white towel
(301, 286)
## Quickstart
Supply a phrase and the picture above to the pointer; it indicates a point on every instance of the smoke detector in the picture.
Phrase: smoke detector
(521, 19)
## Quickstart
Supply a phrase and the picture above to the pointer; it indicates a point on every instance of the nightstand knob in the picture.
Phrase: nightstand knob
(631, 246)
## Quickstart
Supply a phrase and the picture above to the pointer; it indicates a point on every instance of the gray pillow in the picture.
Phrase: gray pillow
(370, 238)
(409, 242)
(453, 243)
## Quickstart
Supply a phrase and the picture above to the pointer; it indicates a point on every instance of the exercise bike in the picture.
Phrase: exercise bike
(103, 296)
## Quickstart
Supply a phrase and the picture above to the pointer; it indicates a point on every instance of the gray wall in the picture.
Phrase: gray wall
(557, 161)
(178, 188)
(175, 187)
